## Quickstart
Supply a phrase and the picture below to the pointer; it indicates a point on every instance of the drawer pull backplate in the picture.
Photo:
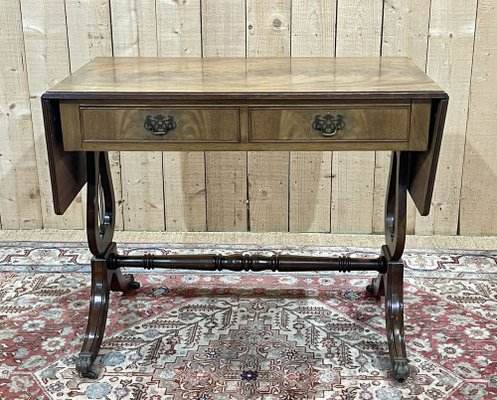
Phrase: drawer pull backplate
(328, 125)
(160, 125)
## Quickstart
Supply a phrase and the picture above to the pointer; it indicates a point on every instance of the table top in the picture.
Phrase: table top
(241, 82)
(133, 77)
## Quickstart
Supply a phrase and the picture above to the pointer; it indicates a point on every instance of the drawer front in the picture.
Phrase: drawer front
(349, 123)
(136, 124)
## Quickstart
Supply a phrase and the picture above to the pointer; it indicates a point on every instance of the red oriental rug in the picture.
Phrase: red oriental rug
(227, 336)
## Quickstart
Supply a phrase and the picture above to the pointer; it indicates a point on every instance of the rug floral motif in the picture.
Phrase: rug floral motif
(233, 336)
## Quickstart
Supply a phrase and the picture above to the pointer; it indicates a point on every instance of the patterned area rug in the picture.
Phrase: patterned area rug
(224, 336)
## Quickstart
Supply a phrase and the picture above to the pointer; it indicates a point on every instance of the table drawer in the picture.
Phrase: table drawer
(163, 124)
(348, 123)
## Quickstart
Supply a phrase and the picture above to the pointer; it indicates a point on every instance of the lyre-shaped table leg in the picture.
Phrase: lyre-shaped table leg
(100, 229)
(390, 283)
(99, 304)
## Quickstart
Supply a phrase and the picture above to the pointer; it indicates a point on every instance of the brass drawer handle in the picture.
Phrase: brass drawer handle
(160, 125)
(328, 125)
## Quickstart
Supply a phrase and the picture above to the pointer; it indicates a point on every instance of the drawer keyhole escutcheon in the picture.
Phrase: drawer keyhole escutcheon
(328, 125)
(160, 125)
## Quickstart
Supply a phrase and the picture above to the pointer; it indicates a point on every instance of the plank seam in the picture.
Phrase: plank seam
(67, 38)
(206, 185)
(289, 183)
(247, 194)
(428, 37)
(458, 228)
(111, 28)
(331, 191)
(335, 33)
(24, 62)
(382, 35)
(201, 29)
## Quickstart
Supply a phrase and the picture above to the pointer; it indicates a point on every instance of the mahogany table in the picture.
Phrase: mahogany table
(186, 104)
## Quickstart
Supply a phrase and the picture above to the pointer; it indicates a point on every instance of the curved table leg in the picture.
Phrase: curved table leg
(100, 230)
(99, 304)
(394, 316)
(390, 283)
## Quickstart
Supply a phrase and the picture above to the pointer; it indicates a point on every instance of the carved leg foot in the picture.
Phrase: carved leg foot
(400, 369)
(120, 282)
(103, 280)
(377, 286)
(84, 366)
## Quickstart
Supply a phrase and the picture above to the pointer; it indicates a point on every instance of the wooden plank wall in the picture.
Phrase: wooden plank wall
(455, 41)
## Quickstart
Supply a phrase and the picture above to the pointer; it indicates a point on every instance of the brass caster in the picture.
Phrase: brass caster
(84, 366)
(134, 285)
(400, 369)
(370, 288)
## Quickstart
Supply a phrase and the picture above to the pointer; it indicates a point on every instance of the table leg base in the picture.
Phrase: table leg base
(107, 276)
(400, 369)
(377, 286)
(85, 367)
(390, 285)
(394, 315)
(103, 280)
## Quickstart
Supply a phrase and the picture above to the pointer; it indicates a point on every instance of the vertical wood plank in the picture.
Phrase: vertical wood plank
(268, 35)
(88, 30)
(178, 28)
(20, 206)
(268, 191)
(134, 28)
(478, 195)
(358, 34)
(184, 191)
(184, 183)
(381, 173)
(405, 30)
(452, 28)
(313, 28)
(134, 33)
(47, 60)
(313, 34)
(405, 33)
(143, 198)
(223, 28)
(310, 190)
(268, 28)
(179, 34)
(358, 28)
(226, 172)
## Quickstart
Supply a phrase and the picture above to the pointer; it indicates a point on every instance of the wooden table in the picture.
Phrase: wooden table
(242, 104)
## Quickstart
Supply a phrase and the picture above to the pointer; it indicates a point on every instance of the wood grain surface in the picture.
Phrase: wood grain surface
(478, 214)
(371, 124)
(295, 124)
(192, 125)
(368, 125)
(198, 76)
